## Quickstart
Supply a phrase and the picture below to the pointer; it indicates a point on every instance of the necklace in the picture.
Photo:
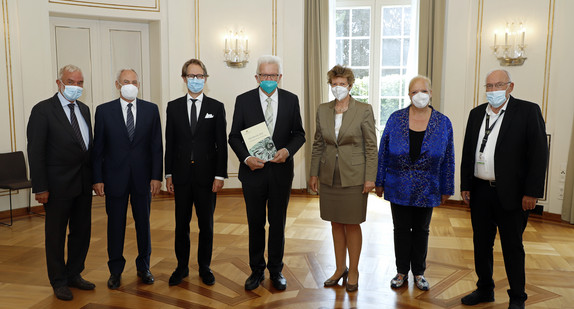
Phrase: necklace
(341, 109)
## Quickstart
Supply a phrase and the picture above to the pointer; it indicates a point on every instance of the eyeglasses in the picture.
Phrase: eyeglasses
(199, 76)
(127, 82)
(498, 85)
(268, 76)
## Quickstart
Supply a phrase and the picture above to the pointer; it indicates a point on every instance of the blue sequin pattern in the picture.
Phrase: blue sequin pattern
(420, 183)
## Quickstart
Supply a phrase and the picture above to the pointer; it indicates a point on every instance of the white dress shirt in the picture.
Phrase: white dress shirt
(124, 104)
(338, 122)
(484, 162)
(81, 121)
(197, 105)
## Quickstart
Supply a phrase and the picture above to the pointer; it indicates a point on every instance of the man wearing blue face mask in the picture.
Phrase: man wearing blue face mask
(503, 168)
(128, 165)
(195, 167)
(59, 148)
(267, 184)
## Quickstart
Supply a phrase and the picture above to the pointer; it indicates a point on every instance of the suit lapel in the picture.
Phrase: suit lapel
(86, 114)
(348, 118)
(202, 112)
(118, 118)
(330, 122)
(506, 121)
(60, 114)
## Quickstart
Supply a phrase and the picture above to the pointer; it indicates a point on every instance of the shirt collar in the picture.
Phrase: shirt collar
(263, 96)
(199, 97)
(125, 103)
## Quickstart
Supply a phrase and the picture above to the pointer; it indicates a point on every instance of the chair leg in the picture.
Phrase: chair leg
(11, 222)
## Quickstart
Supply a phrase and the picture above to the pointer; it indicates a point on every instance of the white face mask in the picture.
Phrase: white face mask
(421, 99)
(340, 92)
(129, 92)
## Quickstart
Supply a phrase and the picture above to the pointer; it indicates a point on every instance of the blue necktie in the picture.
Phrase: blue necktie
(130, 122)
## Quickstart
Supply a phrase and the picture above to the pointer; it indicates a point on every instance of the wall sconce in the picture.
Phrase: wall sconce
(236, 50)
(512, 52)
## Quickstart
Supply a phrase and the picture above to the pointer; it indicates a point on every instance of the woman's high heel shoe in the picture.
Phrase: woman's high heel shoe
(333, 282)
(352, 287)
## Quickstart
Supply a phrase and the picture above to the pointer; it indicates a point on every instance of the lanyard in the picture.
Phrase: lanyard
(488, 129)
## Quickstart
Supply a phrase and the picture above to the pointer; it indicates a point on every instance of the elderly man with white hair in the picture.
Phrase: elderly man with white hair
(267, 184)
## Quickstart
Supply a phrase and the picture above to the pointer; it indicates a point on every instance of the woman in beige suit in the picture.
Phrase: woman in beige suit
(344, 160)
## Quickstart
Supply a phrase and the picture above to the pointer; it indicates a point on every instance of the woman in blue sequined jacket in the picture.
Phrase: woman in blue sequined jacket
(415, 173)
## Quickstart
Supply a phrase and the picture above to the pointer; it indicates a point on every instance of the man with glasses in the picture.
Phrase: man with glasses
(59, 147)
(195, 167)
(503, 168)
(128, 166)
(267, 184)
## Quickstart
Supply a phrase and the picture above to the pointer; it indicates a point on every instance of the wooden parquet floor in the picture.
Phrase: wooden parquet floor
(309, 260)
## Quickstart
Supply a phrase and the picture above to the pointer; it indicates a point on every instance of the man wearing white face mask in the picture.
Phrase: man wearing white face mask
(416, 174)
(128, 165)
(59, 147)
(503, 169)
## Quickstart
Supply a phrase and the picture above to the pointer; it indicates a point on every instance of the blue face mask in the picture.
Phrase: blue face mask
(195, 85)
(268, 85)
(496, 98)
(72, 93)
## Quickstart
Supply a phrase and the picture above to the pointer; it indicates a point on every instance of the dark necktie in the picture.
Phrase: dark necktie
(193, 116)
(76, 127)
(130, 122)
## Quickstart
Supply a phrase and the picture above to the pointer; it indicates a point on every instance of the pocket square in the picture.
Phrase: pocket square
(207, 116)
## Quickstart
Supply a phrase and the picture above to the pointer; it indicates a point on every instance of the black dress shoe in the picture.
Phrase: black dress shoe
(516, 305)
(146, 276)
(79, 283)
(207, 276)
(279, 282)
(178, 275)
(114, 281)
(478, 297)
(63, 293)
(254, 280)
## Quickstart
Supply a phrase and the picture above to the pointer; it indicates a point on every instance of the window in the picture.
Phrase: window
(373, 37)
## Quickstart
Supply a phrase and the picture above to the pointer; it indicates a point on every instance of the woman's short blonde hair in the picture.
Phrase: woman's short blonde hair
(341, 71)
(420, 77)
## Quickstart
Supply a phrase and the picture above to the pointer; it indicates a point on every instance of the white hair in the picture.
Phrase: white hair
(492, 71)
(68, 68)
(126, 69)
(269, 59)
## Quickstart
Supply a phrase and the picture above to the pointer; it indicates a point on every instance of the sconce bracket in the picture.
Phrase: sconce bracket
(236, 64)
(511, 61)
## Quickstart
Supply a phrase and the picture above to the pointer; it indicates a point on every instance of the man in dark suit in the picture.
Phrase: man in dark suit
(267, 184)
(59, 145)
(195, 167)
(503, 168)
(127, 166)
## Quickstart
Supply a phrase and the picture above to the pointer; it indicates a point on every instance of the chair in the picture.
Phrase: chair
(13, 176)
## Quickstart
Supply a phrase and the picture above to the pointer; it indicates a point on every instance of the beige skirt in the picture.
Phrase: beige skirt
(346, 205)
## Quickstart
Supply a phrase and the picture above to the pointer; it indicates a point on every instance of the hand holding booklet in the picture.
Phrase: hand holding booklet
(259, 142)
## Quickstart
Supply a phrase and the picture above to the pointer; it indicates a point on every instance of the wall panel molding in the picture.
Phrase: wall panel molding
(131, 5)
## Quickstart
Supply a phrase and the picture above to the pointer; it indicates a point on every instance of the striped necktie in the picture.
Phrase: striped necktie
(130, 122)
(76, 126)
(269, 116)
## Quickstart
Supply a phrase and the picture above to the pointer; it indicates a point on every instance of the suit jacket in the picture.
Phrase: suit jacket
(288, 133)
(520, 155)
(58, 164)
(420, 183)
(209, 143)
(119, 161)
(356, 146)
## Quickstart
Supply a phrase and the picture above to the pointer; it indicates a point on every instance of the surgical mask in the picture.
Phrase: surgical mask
(268, 85)
(195, 85)
(421, 99)
(340, 92)
(129, 92)
(496, 98)
(72, 93)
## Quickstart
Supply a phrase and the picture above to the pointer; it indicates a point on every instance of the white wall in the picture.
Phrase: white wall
(469, 36)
